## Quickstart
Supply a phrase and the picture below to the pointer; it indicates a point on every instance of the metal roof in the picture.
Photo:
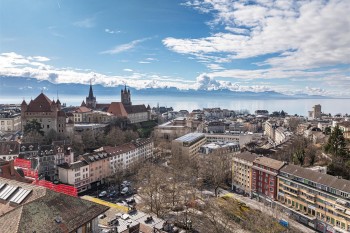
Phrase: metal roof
(191, 137)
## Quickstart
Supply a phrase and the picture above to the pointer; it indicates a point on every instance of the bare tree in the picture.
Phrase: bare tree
(153, 181)
(215, 169)
(311, 154)
(114, 137)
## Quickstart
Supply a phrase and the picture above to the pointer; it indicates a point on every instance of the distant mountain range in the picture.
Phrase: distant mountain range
(29, 87)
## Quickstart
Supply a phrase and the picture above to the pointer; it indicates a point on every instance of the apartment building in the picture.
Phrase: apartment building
(93, 169)
(76, 174)
(264, 178)
(188, 145)
(242, 171)
(10, 122)
(319, 200)
(124, 156)
(345, 128)
(171, 130)
(9, 150)
(270, 129)
(99, 168)
(242, 139)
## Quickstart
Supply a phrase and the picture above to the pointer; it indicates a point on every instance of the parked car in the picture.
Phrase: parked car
(102, 194)
(124, 191)
(112, 194)
(130, 201)
(126, 183)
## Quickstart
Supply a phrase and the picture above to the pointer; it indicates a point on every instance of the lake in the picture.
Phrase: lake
(291, 106)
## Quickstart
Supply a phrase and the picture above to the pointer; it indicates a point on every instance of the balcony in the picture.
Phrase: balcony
(292, 192)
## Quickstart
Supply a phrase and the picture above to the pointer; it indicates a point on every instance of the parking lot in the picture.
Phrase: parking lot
(123, 195)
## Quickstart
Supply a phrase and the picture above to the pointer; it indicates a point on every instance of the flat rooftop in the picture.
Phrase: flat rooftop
(191, 137)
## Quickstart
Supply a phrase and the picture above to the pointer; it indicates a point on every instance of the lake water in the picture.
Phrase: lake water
(291, 106)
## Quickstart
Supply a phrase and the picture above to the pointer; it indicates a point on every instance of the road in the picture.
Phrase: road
(268, 210)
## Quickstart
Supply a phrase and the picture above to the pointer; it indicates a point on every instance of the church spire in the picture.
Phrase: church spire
(91, 93)
(91, 99)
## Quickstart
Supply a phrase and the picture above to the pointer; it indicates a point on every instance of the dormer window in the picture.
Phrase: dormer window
(23, 148)
(31, 147)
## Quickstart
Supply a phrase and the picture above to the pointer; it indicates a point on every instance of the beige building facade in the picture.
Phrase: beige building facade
(188, 145)
(242, 171)
(11, 123)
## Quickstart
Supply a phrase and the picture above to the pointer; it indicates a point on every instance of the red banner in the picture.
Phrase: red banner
(60, 188)
(22, 163)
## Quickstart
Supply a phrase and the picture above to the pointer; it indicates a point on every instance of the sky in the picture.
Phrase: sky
(288, 46)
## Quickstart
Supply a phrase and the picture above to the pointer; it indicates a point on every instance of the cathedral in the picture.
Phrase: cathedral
(123, 109)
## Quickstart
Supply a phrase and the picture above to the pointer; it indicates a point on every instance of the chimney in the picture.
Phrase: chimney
(12, 168)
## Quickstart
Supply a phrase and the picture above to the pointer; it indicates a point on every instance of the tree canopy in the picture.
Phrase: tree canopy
(336, 143)
(33, 126)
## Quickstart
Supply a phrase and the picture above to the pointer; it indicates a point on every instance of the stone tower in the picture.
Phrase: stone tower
(126, 96)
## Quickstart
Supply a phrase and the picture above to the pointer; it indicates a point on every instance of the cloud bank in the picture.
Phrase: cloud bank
(36, 67)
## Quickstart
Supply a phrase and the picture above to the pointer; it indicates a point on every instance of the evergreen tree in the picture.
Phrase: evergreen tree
(336, 143)
(33, 126)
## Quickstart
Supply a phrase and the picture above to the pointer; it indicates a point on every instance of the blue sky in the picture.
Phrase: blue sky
(300, 46)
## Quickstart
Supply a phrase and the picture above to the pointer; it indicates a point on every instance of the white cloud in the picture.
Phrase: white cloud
(144, 62)
(215, 67)
(111, 31)
(124, 47)
(39, 58)
(306, 34)
(85, 23)
(12, 64)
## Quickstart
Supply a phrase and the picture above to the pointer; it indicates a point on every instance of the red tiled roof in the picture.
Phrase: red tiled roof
(119, 149)
(83, 109)
(117, 109)
(130, 109)
(40, 104)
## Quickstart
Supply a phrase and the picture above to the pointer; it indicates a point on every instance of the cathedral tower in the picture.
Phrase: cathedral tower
(91, 99)
(126, 96)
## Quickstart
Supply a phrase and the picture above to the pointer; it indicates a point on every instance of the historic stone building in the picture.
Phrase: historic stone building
(124, 109)
(47, 112)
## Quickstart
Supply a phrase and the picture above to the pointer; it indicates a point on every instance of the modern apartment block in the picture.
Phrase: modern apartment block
(264, 178)
(242, 171)
(188, 145)
(319, 200)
